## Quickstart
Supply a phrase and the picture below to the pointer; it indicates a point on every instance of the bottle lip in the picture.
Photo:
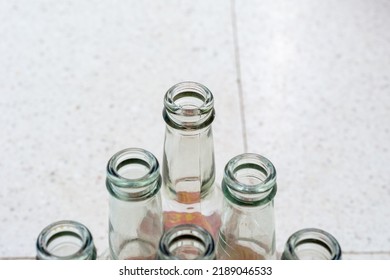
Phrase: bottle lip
(188, 105)
(192, 231)
(313, 236)
(136, 188)
(252, 191)
(63, 229)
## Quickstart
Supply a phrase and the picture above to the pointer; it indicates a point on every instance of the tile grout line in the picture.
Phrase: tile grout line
(238, 70)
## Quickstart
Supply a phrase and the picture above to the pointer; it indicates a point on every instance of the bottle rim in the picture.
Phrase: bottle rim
(192, 231)
(137, 188)
(314, 236)
(61, 230)
(257, 183)
(188, 105)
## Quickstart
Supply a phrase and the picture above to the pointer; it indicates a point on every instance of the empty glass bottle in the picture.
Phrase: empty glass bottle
(65, 240)
(190, 193)
(135, 212)
(186, 242)
(248, 227)
(311, 244)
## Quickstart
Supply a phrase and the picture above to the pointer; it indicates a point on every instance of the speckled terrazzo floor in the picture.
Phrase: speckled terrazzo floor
(304, 83)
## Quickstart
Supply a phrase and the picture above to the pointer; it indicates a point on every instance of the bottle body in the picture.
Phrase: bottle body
(135, 211)
(186, 242)
(248, 222)
(65, 240)
(312, 244)
(242, 238)
(190, 192)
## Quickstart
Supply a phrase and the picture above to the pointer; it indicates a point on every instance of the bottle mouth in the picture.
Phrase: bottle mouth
(187, 242)
(188, 105)
(65, 240)
(312, 244)
(133, 174)
(250, 178)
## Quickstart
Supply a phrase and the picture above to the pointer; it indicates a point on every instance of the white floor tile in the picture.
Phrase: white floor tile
(79, 81)
(316, 80)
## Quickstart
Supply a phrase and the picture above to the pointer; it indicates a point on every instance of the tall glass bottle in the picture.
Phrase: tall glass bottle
(186, 242)
(311, 244)
(248, 227)
(135, 212)
(190, 194)
(65, 240)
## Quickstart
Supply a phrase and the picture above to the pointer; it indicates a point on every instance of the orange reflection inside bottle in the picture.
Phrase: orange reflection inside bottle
(210, 223)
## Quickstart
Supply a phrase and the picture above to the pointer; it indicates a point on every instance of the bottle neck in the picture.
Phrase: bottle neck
(133, 175)
(249, 180)
(311, 244)
(65, 240)
(188, 106)
(188, 164)
(186, 242)
(188, 167)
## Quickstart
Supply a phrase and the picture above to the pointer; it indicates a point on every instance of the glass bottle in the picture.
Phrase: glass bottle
(311, 244)
(65, 240)
(186, 242)
(190, 195)
(135, 212)
(248, 226)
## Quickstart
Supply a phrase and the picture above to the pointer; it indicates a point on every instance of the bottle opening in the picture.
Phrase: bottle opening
(190, 102)
(313, 249)
(249, 178)
(133, 174)
(186, 242)
(65, 244)
(250, 174)
(187, 247)
(65, 240)
(188, 105)
(312, 244)
(132, 169)
(132, 165)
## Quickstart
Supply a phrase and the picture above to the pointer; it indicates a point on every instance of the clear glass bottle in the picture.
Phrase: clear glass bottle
(186, 242)
(65, 240)
(311, 244)
(135, 212)
(248, 226)
(190, 193)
